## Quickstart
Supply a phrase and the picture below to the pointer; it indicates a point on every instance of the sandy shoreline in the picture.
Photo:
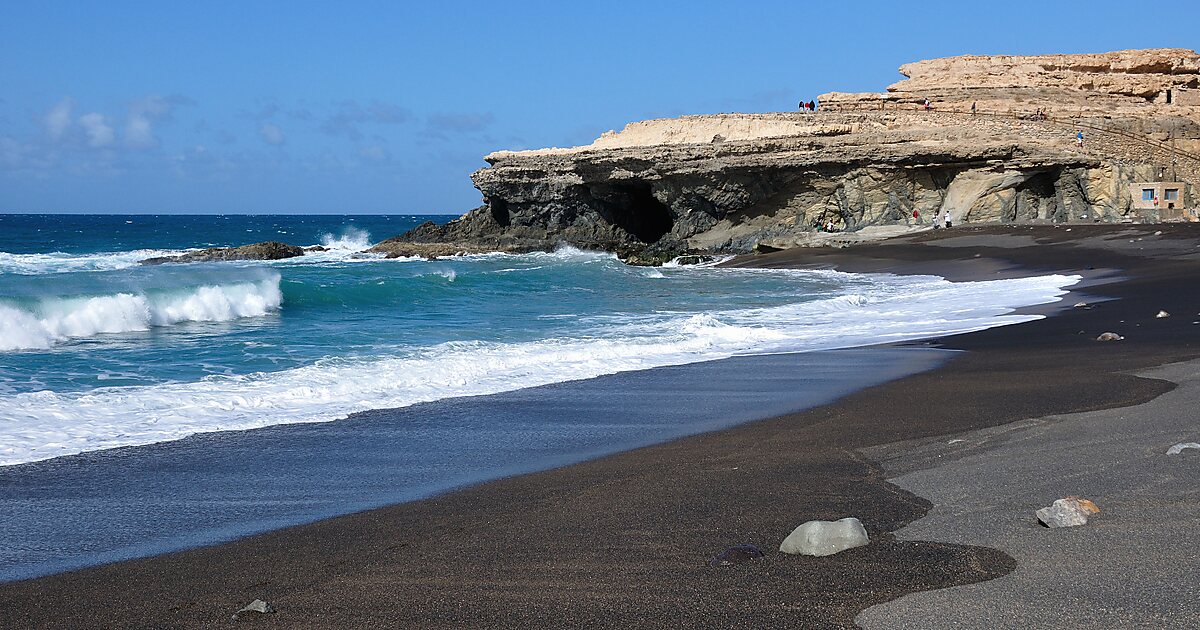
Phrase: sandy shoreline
(624, 540)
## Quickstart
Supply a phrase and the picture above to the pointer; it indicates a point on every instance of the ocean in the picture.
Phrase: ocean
(150, 408)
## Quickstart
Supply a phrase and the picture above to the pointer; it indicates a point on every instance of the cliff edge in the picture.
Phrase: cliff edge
(997, 143)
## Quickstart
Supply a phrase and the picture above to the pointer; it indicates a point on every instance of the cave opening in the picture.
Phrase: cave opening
(499, 210)
(634, 209)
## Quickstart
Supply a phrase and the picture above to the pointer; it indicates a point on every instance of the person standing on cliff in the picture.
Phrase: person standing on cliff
(973, 108)
(1079, 138)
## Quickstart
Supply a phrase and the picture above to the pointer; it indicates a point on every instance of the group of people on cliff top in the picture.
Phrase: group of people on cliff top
(810, 106)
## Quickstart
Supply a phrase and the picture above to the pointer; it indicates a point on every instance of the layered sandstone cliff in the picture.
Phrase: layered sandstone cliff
(729, 183)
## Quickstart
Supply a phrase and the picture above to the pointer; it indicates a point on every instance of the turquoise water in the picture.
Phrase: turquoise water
(98, 351)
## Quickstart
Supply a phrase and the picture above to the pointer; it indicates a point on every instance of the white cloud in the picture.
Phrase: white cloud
(143, 113)
(58, 119)
(349, 115)
(99, 132)
(139, 132)
(271, 134)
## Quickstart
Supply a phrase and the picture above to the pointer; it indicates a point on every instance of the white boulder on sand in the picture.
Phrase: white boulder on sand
(825, 538)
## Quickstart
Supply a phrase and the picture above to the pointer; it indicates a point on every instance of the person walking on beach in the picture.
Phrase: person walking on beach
(916, 217)
(946, 218)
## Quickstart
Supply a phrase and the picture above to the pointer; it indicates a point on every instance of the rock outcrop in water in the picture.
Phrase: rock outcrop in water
(270, 250)
(733, 182)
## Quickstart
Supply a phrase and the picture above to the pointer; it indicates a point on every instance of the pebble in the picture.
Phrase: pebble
(256, 606)
(1182, 446)
(1068, 512)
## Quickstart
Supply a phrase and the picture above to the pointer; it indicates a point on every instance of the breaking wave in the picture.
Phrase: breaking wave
(47, 322)
(59, 262)
(350, 239)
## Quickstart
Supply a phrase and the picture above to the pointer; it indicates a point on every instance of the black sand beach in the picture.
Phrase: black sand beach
(623, 541)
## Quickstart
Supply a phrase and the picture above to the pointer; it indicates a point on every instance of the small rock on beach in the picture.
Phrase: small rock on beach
(256, 606)
(1068, 512)
(1181, 447)
(825, 538)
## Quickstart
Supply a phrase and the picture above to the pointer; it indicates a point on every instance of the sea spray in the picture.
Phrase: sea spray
(349, 239)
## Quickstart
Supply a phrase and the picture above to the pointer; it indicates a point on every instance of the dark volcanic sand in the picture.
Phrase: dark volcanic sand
(624, 541)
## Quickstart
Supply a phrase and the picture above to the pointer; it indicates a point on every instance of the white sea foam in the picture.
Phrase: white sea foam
(51, 321)
(41, 425)
(350, 239)
(562, 253)
(59, 262)
(716, 260)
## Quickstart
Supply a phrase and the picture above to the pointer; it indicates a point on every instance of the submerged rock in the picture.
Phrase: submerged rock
(1162, 314)
(825, 538)
(1109, 336)
(1068, 512)
(698, 259)
(270, 250)
(736, 555)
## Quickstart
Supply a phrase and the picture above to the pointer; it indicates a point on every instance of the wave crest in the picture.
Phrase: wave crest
(350, 239)
(52, 321)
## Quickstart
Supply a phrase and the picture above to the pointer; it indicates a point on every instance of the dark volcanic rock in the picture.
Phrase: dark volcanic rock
(270, 250)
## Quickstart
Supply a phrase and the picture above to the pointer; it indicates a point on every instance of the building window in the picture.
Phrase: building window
(1172, 194)
(1147, 194)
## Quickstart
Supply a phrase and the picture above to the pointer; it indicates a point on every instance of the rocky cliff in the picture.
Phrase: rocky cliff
(729, 183)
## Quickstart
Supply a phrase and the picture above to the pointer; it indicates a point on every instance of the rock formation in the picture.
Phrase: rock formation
(733, 182)
(270, 250)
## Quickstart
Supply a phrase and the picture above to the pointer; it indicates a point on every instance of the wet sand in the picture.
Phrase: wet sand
(624, 540)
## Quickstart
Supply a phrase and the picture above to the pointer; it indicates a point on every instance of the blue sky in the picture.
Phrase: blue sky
(382, 107)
